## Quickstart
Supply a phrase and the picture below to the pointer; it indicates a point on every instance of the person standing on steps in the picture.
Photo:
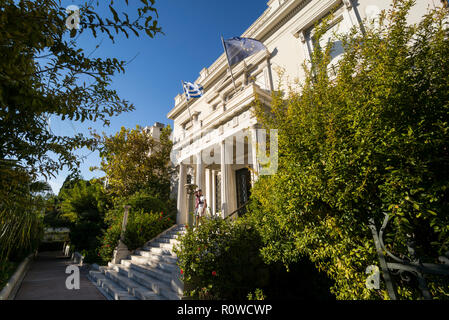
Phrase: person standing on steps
(200, 207)
(195, 215)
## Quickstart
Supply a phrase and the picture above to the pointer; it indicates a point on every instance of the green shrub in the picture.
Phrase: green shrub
(140, 201)
(371, 140)
(221, 260)
(84, 236)
(21, 220)
(7, 269)
(86, 201)
(142, 227)
(109, 241)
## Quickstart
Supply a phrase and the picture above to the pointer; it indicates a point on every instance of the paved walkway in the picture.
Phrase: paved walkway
(45, 280)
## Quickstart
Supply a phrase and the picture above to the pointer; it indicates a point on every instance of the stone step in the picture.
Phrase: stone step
(156, 258)
(161, 288)
(149, 251)
(176, 283)
(166, 240)
(131, 286)
(113, 290)
(181, 230)
(173, 235)
(148, 270)
(151, 273)
(164, 266)
(168, 246)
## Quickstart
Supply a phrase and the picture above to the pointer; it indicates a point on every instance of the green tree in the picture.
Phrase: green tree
(133, 160)
(44, 72)
(21, 211)
(86, 201)
(84, 206)
(372, 139)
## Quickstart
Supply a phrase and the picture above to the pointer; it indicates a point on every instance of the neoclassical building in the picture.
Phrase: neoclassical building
(216, 136)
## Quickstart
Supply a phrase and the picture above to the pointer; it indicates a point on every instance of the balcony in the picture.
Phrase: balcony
(223, 122)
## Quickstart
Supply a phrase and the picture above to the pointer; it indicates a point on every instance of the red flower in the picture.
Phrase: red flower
(182, 271)
(214, 273)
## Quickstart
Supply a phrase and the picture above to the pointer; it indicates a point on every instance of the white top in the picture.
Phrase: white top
(201, 203)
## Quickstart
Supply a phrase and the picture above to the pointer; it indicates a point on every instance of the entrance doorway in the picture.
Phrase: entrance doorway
(243, 183)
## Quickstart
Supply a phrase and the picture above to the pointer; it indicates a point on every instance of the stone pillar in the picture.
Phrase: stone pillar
(121, 252)
(267, 72)
(226, 179)
(232, 190)
(212, 205)
(208, 187)
(182, 197)
(254, 161)
(199, 179)
(350, 13)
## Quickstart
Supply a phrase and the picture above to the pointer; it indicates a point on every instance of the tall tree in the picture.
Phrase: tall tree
(370, 140)
(44, 72)
(133, 160)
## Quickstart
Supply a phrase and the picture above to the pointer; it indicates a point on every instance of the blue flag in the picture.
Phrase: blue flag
(238, 49)
(192, 90)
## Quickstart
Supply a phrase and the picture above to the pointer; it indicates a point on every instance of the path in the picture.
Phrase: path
(46, 278)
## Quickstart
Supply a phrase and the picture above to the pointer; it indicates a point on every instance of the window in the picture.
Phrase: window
(337, 26)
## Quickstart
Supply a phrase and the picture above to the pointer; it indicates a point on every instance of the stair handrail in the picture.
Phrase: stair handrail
(237, 211)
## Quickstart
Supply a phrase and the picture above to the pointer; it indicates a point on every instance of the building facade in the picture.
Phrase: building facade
(217, 141)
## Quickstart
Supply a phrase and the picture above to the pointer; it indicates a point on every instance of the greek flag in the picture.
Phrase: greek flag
(192, 90)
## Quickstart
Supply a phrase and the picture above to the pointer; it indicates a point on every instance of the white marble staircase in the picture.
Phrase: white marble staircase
(150, 273)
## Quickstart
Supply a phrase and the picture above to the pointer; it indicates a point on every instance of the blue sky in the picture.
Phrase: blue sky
(191, 42)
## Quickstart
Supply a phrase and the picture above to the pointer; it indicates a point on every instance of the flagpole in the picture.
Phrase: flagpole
(227, 58)
(188, 107)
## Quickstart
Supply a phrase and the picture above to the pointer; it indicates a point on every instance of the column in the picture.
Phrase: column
(182, 199)
(224, 181)
(213, 202)
(351, 14)
(199, 179)
(208, 191)
(227, 191)
(267, 73)
(254, 160)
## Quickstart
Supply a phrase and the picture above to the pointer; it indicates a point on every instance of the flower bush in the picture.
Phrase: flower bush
(221, 260)
(109, 242)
